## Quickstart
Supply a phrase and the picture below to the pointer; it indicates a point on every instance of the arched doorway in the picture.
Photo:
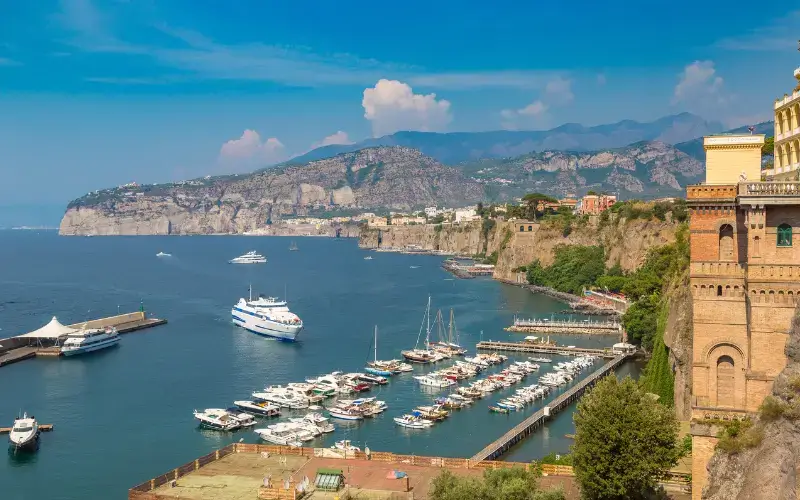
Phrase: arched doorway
(726, 242)
(725, 381)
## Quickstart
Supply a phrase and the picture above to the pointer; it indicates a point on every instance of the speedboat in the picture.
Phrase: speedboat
(283, 437)
(413, 422)
(217, 419)
(89, 340)
(368, 257)
(251, 257)
(162, 254)
(25, 433)
(255, 408)
(434, 380)
(267, 316)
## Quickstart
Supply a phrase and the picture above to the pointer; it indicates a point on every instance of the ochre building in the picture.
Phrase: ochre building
(745, 282)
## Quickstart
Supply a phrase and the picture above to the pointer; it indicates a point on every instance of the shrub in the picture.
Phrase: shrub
(772, 408)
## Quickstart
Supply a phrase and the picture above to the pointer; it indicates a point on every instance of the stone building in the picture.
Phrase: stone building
(593, 204)
(787, 133)
(745, 281)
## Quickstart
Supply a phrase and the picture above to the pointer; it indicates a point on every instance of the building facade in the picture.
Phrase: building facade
(787, 133)
(745, 281)
(594, 204)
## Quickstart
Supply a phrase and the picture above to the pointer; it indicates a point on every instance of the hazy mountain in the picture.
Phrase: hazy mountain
(456, 147)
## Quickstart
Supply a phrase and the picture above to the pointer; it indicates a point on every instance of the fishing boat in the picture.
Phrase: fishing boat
(413, 422)
(423, 356)
(293, 246)
(24, 433)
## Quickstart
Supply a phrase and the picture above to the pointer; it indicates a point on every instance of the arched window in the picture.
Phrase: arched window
(784, 235)
(530, 228)
(725, 381)
(726, 242)
(521, 229)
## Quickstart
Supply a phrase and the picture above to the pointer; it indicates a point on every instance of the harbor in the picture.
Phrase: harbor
(533, 347)
(466, 271)
(200, 360)
(544, 326)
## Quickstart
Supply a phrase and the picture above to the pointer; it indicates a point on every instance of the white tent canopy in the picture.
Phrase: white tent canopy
(52, 330)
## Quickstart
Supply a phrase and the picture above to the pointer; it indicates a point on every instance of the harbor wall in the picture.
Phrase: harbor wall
(112, 320)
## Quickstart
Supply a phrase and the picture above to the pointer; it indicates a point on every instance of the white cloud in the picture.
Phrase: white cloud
(250, 150)
(392, 106)
(699, 82)
(339, 137)
(557, 92)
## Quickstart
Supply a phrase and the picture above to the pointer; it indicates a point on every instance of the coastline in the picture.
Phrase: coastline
(576, 303)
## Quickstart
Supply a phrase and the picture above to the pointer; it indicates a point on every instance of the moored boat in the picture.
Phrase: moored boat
(24, 433)
(263, 409)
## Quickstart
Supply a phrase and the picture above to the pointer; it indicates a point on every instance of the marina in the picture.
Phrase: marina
(493, 345)
(200, 360)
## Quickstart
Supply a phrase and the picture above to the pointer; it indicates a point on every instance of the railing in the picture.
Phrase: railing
(774, 188)
(786, 100)
(707, 192)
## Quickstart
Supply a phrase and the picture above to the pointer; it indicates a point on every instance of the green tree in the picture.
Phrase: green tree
(624, 441)
(531, 202)
(640, 321)
(769, 146)
(501, 484)
(479, 209)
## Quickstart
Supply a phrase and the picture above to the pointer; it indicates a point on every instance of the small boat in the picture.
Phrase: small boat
(413, 422)
(372, 379)
(433, 380)
(498, 409)
(345, 445)
(217, 419)
(346, 413)
(368, 257)
(162, 254)
(293, 246)
(263, 409)
(24, 433)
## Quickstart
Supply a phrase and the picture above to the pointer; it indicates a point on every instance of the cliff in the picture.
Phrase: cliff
(387, 177)
(765, 466)
(466, 238)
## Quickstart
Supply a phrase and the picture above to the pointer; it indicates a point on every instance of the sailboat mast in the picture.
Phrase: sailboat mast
(450, 333)
(376, 343)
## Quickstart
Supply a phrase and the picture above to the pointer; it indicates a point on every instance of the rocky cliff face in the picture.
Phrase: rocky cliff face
(464, 238)
(388, 177)
(768, 471)
(678, 339)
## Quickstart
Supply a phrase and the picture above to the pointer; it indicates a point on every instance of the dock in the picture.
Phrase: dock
(532, 423)
(494, 345)
(545, 327)
(42, 428)
(467, 271)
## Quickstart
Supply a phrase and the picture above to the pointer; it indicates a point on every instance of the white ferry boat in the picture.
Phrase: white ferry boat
(89, 340)
(267, 316)
(251, 257)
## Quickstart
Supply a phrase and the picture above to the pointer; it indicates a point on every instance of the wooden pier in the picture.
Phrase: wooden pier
(545, 327)
(530, 424)
(493, 345)
(42, 428)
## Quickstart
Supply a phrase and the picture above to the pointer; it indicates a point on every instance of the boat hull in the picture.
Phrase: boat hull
(111, 342)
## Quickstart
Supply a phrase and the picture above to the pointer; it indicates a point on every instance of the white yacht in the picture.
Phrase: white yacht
(217, 419)
(89, 340)
(434, 380)
(263, 409)
(162, 254)
(251, 257)
(279, 436)
(267, 316)
(412, 422)
(24, 433)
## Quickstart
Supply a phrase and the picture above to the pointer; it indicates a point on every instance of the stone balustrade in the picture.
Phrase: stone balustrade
(773, 188)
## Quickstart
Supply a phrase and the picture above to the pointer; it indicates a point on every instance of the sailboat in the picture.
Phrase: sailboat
(376, 367)
(293, 246)
(451, 345)
(424, 356)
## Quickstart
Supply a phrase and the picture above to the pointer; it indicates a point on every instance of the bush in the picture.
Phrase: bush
(556, 459)
(772, 408)
(574, 268)
(501, 484)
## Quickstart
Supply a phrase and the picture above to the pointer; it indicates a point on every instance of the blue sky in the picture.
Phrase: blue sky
(97, 93)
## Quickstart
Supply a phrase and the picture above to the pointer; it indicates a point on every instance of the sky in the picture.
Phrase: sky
(97, 93)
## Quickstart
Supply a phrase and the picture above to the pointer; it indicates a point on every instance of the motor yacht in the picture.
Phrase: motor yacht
(320, 422)
(345, 445)
(262, 409)
(434, 380)
(267, 316)
(412, 422)
(217, 419)
(283, 437)
(284, 399)
(24, 433)
(251, 257)
(89, 340)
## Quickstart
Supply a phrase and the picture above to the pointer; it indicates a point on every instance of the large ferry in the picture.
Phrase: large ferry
(267, 316)
(89, 340)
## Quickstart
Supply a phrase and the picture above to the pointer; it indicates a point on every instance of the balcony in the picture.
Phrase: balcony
(769, 193)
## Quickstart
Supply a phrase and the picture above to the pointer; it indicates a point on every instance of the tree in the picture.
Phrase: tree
(769, 146)
(640, 321)
(479, 209)
(501, 484)
(531, 202)
(624, 441)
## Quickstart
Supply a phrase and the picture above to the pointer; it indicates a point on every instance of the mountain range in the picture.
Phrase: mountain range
(457, 147)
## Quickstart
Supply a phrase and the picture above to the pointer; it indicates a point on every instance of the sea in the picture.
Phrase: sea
(124, 415)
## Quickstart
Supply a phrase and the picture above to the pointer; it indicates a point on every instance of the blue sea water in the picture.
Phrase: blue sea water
(124, 415)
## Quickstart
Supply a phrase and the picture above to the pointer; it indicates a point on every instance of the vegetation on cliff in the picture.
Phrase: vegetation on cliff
(500, 484)
(574, 268)
(624, 441)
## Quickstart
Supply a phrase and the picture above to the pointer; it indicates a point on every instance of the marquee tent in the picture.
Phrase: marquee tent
(52, 330)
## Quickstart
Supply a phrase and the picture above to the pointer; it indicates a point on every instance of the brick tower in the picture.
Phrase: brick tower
(745, 281)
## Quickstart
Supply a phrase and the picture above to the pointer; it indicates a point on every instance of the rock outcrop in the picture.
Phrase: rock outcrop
(769, 470)
(388, 177)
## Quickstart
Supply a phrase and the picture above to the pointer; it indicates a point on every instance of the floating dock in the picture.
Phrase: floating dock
(532, 423)
(544, 327)
(532, 347)
(42, 428)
